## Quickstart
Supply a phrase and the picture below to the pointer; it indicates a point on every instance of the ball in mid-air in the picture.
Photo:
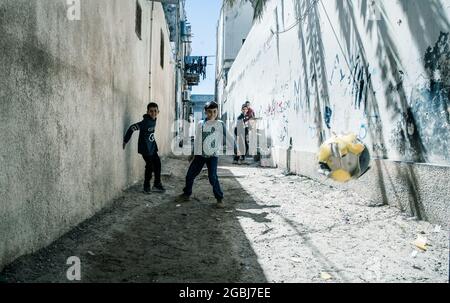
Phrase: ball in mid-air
(343, 158)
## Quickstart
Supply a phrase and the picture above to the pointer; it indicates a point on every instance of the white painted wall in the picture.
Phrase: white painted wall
(163, 80)
(238, 22)
(369, 68)
(233, 27)
(220, 42)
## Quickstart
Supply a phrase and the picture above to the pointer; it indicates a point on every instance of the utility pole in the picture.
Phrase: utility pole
(177, 64)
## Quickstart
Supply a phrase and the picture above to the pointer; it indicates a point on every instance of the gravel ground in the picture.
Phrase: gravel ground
(275, 228)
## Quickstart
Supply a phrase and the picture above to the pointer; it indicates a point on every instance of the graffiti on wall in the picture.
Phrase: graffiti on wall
(357, 76)
(337, 71)
(302, 96)
(373, 123)
(423, 132)
(328, 115)
(354, 78)
(298, 103)
(279, 110)
(361, 79)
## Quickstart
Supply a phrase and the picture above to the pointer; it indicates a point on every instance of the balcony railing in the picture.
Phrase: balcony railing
(195, 67)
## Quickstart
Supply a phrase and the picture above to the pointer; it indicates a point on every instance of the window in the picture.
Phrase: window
(138, 20)
(161, 50)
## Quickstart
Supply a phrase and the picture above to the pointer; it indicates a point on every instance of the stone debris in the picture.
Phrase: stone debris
(297, 260)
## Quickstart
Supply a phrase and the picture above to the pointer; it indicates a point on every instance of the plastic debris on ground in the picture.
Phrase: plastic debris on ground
(421, 243)
(325, 276)
(437, 229)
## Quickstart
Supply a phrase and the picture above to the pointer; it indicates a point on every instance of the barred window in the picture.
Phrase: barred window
(138, 20)
(162, 50)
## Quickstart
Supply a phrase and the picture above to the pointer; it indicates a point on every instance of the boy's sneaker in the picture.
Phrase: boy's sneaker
(235, 162)
(183, 198)
(147, 190)
(159, 188)
(220, 204)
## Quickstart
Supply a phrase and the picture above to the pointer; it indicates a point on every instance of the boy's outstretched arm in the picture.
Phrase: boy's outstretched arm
(131, 130)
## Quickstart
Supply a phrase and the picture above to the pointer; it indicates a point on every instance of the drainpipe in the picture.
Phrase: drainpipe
(177, 67)
(151, 54)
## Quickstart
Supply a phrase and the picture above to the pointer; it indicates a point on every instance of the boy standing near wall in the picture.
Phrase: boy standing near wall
(147, 147)
(250, 112)
(241, 137)
(209, 140)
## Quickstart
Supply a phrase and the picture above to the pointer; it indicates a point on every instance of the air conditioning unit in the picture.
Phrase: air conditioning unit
(186, 95)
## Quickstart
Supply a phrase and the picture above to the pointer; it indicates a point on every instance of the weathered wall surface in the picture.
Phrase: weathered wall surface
(68, 92)
(163, 80)
(233, 27)
(238, 21)
(312, 68)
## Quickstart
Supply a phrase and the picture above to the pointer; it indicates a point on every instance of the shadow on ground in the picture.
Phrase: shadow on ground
(152, 238)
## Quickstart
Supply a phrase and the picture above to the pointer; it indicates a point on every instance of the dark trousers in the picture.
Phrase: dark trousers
(196, 168)
(153, 165)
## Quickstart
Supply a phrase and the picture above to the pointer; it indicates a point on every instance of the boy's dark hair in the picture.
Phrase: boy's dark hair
(244, 106)
(152, 105)
(211, 105)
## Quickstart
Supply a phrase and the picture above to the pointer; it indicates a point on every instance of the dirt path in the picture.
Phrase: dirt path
(275, 229)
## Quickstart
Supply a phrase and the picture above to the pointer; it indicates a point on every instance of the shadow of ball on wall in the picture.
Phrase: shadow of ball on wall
(343, 158)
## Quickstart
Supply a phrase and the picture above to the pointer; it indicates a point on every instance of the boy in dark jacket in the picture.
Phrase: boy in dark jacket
(241, 137)
(147, 147)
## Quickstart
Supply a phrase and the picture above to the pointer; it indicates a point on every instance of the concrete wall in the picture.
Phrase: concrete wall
(313, 68)
(237, 24)
(233, 26)
(68, 92)
(163, 80)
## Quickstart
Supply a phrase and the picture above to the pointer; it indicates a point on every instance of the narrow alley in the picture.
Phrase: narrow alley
(320, 130)
(275, 228)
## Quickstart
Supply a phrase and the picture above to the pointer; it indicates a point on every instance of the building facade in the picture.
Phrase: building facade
(198, 105)
(233, 27)
(180, 37)
(74, 77)
(190, 70)
(315, 68)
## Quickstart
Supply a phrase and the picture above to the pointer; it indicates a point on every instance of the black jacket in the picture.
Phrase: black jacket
(147, 143)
